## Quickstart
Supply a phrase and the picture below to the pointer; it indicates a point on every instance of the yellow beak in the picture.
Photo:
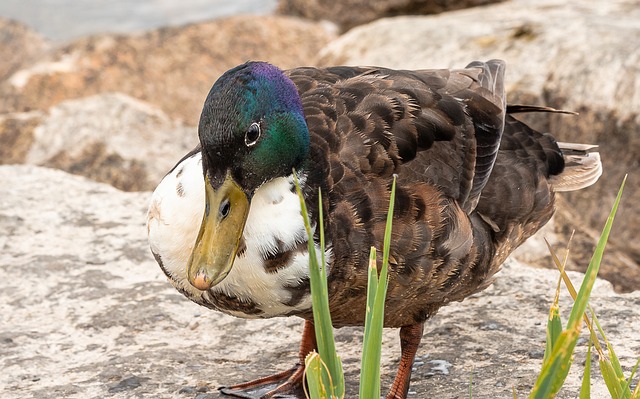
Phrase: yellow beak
(225, 214)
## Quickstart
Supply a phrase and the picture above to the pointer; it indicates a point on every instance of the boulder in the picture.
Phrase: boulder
(98, 319)
(172, 68)
(19, 45)
(111, 138)
(349, 13)
(17, 136)
(574, 56)
(565, 232)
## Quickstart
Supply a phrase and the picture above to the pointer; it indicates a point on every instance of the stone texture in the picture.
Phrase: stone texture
(78, 107)
(173, 68)
(110, 138)
(97, 318)
(18, 46)
(16, 135)
(566, 231)
(620, 268)
(575, 56)
(350, 13)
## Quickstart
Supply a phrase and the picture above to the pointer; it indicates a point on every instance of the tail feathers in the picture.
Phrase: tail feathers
(582, 167)
(519, 108)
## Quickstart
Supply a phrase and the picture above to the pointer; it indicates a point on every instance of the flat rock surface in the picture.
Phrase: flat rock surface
(85, 312)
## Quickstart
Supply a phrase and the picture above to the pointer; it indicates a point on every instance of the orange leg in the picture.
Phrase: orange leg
(410, 337)
(285, 384)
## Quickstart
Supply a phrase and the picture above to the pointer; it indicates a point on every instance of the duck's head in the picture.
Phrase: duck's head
(252, 129)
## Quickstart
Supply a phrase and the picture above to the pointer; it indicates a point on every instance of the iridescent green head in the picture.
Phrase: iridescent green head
(252, 126)
(252, 130)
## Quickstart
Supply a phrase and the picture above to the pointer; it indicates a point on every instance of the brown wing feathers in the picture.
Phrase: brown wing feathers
(472, 180)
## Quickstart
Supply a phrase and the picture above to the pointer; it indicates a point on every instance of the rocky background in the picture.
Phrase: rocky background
(89, 127)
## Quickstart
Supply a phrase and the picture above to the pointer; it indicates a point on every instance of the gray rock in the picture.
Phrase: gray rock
(17, 136)
(110, 137)
(350, 13)
(578, 56)
(567, 230)
(96, 318)
(19, 45)
(172, 68)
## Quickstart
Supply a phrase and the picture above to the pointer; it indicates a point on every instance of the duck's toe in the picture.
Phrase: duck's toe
(284, 385)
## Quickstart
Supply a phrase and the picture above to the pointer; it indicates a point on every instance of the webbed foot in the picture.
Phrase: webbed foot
(285, 385)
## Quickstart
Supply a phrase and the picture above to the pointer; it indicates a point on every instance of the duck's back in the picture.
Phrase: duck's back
(473, 182)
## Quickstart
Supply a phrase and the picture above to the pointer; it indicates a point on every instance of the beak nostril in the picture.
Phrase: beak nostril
(225, 208)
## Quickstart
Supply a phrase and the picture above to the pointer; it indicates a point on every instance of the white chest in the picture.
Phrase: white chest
(262, 278)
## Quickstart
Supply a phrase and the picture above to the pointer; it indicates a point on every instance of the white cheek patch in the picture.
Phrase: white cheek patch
(174, 218)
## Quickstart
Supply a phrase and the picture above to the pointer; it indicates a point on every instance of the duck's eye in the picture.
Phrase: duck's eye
(252, 135)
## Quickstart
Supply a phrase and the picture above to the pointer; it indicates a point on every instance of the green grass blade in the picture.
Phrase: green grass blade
(334, 379)
(585, 389)
(387, 230)
(371, 353)
(633, 372)
(594, 265)
(382, 288)
(554, 325)
(313, 373)
(602, 333)
(372, 284)
(624, 393)
(636, 392)
(557, 365)
(372, 288)
(615, 362)
(322, 254)
(574, 295)
(555, 369)
(610, 370)
(374, 322)
(336, 371)
(557, 361)
(544, 384)
(610, 378)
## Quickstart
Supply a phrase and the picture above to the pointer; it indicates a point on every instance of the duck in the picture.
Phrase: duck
(473, 183)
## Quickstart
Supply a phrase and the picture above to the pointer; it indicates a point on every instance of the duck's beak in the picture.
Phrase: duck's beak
(225, 214)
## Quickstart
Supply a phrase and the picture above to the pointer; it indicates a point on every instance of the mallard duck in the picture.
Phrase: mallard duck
(473, 183)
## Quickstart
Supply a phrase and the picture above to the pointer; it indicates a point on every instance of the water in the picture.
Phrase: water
(63, 20)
